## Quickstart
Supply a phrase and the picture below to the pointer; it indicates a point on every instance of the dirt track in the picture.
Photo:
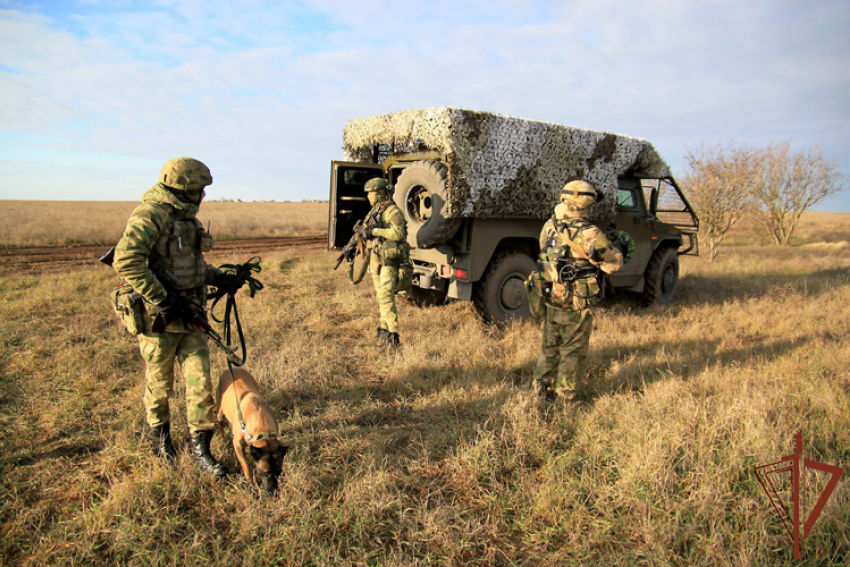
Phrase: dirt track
(53, 259)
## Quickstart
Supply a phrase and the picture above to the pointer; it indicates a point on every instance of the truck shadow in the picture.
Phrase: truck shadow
(698, 289)
(717, 289)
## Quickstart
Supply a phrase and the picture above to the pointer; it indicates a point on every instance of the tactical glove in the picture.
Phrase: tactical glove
(225, 280)
(367, 232)
(176, 308)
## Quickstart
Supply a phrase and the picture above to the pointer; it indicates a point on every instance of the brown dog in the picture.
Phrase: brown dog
(259, 419)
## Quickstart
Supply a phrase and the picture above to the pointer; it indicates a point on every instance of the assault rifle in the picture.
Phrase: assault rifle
(350, 250)
(190, 314)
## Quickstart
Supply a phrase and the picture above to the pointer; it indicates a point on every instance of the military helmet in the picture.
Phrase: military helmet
(376, 184)
(580, 194)
(185, 173)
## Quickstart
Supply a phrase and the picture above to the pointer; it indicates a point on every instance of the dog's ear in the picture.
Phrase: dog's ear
(256, 454)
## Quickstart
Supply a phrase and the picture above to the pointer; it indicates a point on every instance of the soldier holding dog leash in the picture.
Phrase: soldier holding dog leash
(162, 300)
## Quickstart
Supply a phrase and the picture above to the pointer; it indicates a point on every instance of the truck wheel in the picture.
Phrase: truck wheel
(501, 295)
(662, 276)
(426, 297)
(421, 194)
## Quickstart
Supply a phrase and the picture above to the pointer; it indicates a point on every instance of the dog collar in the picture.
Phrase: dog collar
(250, 439)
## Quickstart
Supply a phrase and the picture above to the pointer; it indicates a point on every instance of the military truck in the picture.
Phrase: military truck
(476, 189)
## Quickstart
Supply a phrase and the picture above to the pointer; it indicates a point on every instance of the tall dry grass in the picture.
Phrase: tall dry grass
(66, 223)
(440, 454)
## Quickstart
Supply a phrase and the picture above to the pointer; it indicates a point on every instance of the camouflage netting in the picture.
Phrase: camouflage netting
(498, 165)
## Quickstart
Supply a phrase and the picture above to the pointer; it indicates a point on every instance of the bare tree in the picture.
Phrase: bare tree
(720, 182)
(791, 182)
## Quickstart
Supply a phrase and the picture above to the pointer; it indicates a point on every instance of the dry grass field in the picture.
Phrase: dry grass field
(440, 454)
(68, 223)
(814, 228)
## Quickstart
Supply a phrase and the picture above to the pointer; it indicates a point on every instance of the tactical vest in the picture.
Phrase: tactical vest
(568, 281)
(561, 262)
(381, 208)
(391, 252)
(181, 252)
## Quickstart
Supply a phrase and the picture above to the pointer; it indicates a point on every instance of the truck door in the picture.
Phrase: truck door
(348, 202)
(632, 218)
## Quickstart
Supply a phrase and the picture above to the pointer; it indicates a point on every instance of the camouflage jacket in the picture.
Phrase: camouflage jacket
(583, 290)
(391, 223)
(584, 235)
(389, 238)
(163, 234)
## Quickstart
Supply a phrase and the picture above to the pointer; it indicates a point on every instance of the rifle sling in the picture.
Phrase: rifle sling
(565, 235)
(362, 251)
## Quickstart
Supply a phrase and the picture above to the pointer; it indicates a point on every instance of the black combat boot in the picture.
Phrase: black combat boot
(201, 455)
(381, 337)
(393, 340)
(162, 445)
(545, 391)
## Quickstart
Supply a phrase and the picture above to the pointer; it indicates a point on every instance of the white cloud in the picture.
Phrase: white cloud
(261, 92)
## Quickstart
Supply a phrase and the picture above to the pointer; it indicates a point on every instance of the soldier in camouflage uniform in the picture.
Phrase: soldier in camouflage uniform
(572, 249)
(163, 234)
(388, 250)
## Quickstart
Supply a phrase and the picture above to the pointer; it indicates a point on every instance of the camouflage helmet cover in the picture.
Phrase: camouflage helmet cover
(185, 173)
(376, 184)
(580, 194)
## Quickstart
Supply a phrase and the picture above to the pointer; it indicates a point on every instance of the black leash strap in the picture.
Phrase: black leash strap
(235, 276)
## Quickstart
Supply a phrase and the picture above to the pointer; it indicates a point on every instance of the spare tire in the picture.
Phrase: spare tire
(421, 194)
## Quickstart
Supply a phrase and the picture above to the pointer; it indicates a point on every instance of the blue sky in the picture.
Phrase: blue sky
(96, 95)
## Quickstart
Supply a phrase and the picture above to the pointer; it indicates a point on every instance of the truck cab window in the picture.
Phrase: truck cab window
(626, 199)
(358, 177)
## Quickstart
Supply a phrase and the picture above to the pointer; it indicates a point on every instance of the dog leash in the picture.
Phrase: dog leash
(235, 276)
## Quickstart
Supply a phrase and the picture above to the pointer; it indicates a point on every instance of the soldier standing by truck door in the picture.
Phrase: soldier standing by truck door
(571, 251)
(388, 250)
(162, 235)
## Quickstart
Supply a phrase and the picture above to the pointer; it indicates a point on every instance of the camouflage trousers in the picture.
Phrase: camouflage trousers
(385, 279)
(160, 351)
(563, 352)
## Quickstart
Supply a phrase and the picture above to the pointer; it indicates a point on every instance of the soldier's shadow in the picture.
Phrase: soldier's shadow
(426, 412)
(660, 360)
(636, 367)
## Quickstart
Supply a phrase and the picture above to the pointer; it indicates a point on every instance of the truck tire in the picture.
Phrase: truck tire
(662, 276)
(421, 194)
(501, 295)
